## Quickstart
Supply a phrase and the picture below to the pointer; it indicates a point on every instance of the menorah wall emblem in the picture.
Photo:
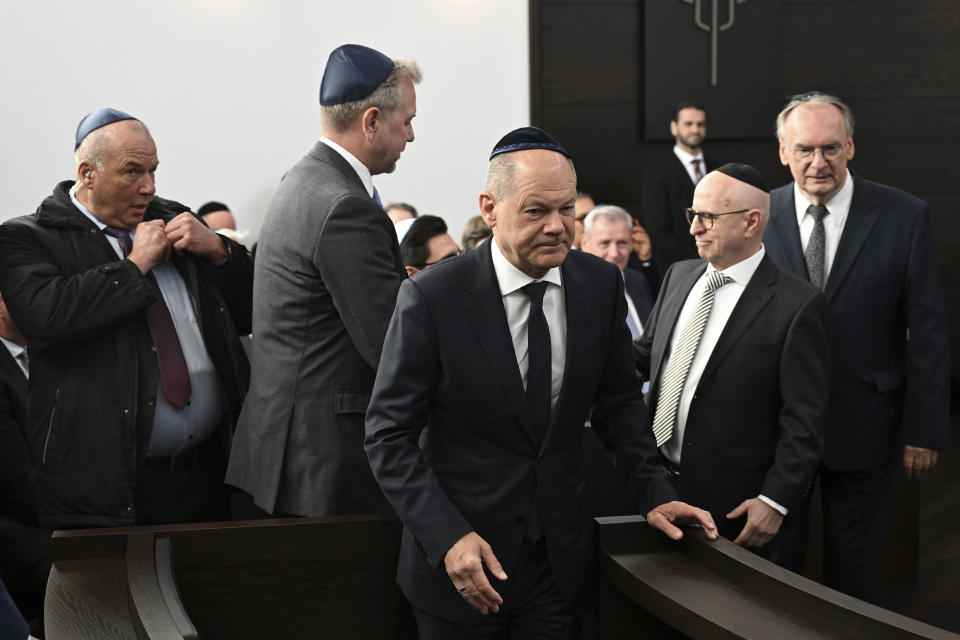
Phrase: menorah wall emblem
(714, 27)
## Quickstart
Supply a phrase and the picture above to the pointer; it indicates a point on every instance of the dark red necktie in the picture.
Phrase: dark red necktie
(174, 376)
(697, 173)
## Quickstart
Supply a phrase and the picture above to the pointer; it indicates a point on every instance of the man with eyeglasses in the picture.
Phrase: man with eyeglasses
(869, 248)
(736, 352)
(426, 243)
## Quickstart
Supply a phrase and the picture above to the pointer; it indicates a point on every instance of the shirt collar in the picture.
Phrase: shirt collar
(743, 270)
(14, 349)
(685, 157)
(86, 212)
(512, 279)
(838, 205)
(362, 172)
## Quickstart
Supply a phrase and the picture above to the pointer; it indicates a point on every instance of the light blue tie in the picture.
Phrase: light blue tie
(634, 329)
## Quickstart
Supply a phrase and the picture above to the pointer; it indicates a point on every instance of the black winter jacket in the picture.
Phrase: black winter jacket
(93, 372)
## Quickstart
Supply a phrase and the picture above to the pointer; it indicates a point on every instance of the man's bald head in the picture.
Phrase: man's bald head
(100, 142)
(736, 235)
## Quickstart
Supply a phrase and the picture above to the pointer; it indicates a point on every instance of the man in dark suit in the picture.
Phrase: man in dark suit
(668, 186)
(608, 234)
(327, 273)
(738, 407)
(25, 550)
(869, 248)
(493, 360)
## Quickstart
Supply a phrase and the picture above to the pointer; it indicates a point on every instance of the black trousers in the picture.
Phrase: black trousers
(185, 488)
(855, 507)
(533, 607)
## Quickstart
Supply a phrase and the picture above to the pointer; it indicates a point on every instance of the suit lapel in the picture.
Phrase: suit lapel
(756, 295)
(577, 296)
(485, 314)
(860, 221)
(672, 304)
(787, 232)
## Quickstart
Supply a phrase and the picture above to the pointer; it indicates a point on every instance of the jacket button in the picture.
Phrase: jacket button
(116, 283)
(126, 411)
(151, 401)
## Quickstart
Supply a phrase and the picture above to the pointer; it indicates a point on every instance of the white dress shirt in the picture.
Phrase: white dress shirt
(15, 351)
(517, 306)
(726, 298)
(839, 208)
(687, 160)
(358, 166)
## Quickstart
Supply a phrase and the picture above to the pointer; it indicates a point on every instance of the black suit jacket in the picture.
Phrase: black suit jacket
(755, 423)
(667, 191)
(17, 482)
(884, 282)
(449, 436)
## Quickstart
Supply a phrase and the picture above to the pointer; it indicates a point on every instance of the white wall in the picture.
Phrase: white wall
(229, 90)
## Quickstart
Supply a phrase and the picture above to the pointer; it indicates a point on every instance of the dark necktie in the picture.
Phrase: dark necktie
(539, 383)
(697, 173)
(539, 361)
(678, 367)
(376, 197)
(814, 255)
(174, 376)
(24, 360)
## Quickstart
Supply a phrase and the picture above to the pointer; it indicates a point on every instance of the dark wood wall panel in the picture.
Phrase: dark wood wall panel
(580, 44)
(896, 62)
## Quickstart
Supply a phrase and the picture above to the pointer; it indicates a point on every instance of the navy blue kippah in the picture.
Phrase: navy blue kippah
(96, 119)
(353, 72)
(527, 138)
(745, 173)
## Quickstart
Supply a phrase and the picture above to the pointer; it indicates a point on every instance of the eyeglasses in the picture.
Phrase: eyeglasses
(708, 219)
(830, 151)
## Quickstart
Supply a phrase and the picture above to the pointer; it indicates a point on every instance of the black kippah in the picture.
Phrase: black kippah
(353, 72)
(745, 173)
(527, 138)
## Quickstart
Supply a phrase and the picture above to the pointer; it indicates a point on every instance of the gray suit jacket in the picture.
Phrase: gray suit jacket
(327, 273)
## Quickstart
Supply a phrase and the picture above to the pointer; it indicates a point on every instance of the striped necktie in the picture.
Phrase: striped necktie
(678, 366)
